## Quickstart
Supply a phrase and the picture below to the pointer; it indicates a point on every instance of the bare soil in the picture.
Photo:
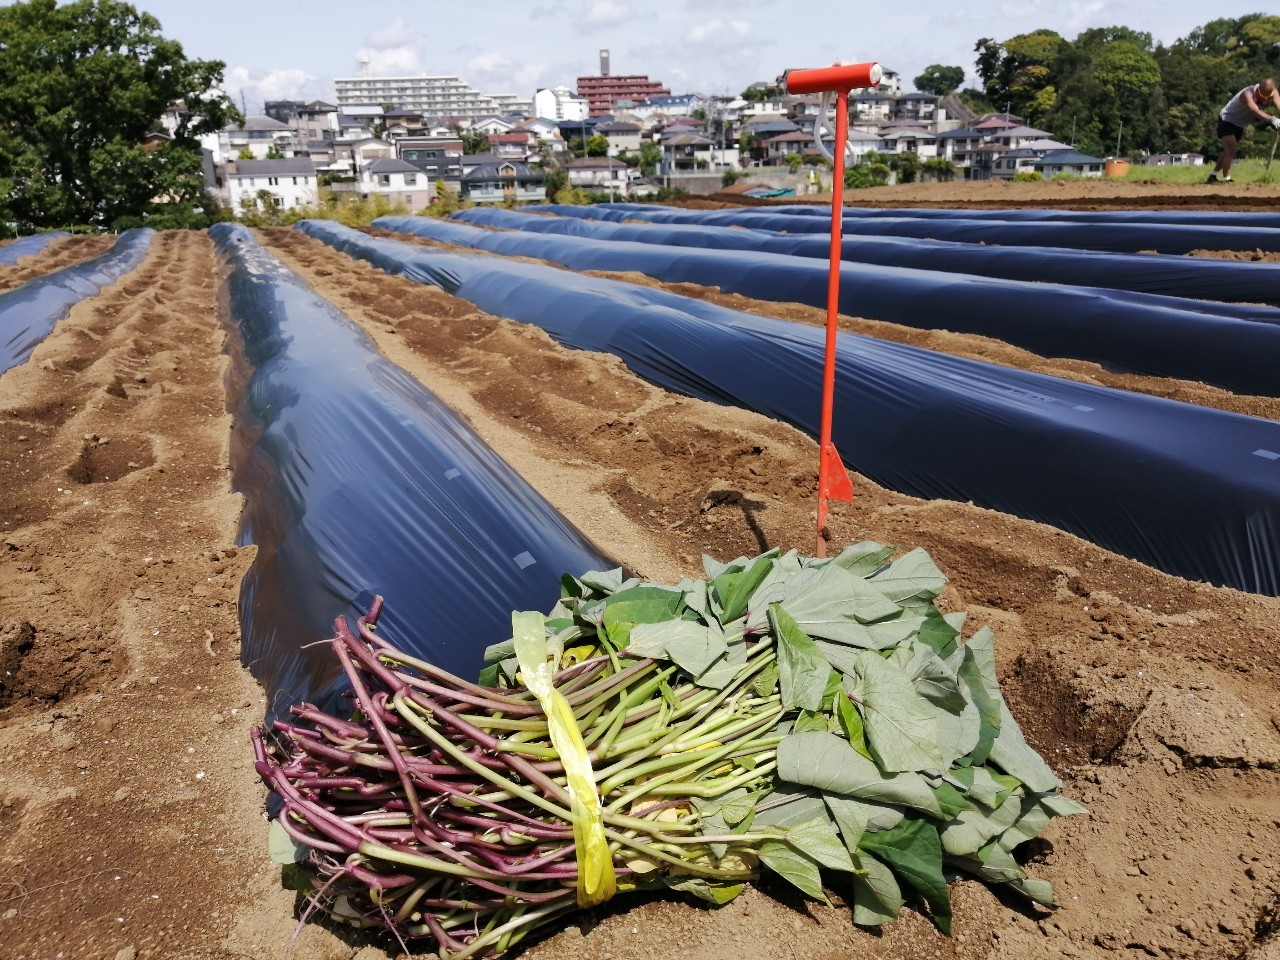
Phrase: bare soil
(131, 822)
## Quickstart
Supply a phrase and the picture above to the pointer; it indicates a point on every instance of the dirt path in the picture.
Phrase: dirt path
(125, 711)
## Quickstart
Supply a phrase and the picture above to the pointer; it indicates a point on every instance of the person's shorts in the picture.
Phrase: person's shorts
(1226, 129)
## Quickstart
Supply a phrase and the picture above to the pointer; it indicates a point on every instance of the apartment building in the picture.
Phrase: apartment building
(435, 96)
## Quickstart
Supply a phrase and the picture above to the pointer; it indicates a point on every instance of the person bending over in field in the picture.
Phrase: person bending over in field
(1242, 110)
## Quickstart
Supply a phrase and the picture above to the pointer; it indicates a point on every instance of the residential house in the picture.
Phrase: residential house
(399, 181)
(1175, 159)
(600, 174)
(1058, 162)
(915, 106)
(354, 128)
(777, 149)
(686, 152)
(623, 137)
(354, 155)
(257, 135)
(868, 106)
(659, 108)
(439, 158)
(958, 145)
(1018, 135)
(1008, 163)
(322, 154)
(316, 120)
(516, 145)
(489, 126)
(915, 140)
(503, 181)
(290, 183)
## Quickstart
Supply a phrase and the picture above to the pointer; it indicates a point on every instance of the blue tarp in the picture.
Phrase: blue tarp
(11, 253)
(1186, 489)
(1195, 277)
(29, 313)
(1195, 218)
(1114, 237)
(359, 481)
(1161, 336)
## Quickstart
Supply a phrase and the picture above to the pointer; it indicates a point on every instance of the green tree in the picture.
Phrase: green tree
(597, 145)
(474, 142)
(244, 154)
(650, 157)
(794, 161)
(939, 80)
(84, 84)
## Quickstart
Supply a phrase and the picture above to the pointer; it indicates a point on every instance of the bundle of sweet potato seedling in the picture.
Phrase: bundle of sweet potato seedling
(790, 714)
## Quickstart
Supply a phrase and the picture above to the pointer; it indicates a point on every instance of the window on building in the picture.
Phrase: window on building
(295, 181)
(385, 179)
(273, 181)
(410, 179)
(278, 201)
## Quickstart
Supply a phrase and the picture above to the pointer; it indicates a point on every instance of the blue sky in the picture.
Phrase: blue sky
(275, 50)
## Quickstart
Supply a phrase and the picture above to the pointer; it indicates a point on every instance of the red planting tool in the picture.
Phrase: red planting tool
(833, 479)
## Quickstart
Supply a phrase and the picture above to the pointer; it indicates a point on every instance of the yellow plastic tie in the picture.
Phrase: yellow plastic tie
(539, 660)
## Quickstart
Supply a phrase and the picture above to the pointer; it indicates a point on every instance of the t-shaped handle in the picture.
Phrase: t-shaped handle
(842, 76)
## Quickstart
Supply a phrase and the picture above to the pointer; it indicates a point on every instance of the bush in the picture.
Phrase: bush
(1027, 176)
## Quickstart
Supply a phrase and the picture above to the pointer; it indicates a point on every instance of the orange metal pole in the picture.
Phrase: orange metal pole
(826, 462)
(833, 479)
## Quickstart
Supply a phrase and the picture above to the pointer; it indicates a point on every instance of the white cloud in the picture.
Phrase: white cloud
(1084, 15)
(254, 87)
(719, 30)
(1020, 11)
(606, 13)
(392, 50)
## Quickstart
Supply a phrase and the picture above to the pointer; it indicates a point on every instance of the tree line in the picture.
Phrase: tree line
(1113, 86)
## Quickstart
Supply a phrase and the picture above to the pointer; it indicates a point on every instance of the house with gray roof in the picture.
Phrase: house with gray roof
(399, 181)
(503, 181)
(286, 184)
(1073, 162)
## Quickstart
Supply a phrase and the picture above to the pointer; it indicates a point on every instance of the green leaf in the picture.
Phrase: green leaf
(996, 864)
(606, 582)
(877, 898)
(933, 678)
(829, 763)
(643, 604)
(912, 576)
(902, 730)
(811, 720)
(802, 669)
(798, 868)
(975, 667)
(692, 646)
(939, 633)
(851, 724)
(734, 589)
(863, 559)
(872, 636)
(766, 681)
(950, 799)
(724, 669)
(1011, 754)
(711, 891)
(818, 839)
(499, 651)
(854, 818)
(835, 597)
(914, 852)
(971, 830)
(283, 848)
(490, 675)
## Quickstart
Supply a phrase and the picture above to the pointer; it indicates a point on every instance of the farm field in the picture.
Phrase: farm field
(132, 817)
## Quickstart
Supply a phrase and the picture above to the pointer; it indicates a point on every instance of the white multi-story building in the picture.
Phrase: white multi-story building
(434, 96)
(560, 103)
